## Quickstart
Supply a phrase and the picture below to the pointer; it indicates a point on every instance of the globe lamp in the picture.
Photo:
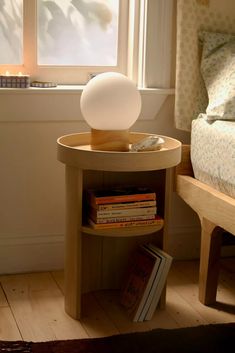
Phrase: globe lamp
(110, 104)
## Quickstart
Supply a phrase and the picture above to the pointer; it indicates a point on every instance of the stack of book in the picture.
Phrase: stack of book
(145, 279)
(122, 207)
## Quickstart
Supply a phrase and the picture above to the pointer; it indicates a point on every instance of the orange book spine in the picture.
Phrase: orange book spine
(123, 198)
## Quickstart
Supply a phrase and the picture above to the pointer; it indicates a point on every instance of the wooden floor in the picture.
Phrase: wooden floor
(32, 306)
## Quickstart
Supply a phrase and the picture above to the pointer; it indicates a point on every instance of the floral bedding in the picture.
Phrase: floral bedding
(213, 153)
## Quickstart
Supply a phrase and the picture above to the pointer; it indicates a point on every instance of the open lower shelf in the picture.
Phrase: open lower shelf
(123, 232)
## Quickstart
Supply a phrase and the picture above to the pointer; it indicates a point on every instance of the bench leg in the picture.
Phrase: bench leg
(211, 240)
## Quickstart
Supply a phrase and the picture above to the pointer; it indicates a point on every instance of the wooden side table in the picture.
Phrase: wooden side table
(95, 259)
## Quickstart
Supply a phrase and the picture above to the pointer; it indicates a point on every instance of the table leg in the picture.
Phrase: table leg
(73, 242)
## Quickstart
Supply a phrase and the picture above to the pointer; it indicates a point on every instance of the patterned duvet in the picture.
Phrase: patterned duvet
(213, 153)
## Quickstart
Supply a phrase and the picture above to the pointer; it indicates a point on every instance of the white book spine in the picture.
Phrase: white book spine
(128, 212)
(159, 289)
(158, 285)
(124, 219)
(152, 291)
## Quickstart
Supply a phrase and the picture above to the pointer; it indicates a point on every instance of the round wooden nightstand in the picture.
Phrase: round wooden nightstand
(93, 258)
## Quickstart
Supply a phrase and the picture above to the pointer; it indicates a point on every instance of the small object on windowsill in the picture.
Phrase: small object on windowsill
(150, 143)
(43, 84)
(14, 81)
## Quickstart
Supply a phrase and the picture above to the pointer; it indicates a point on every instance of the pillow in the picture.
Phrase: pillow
(218, 72)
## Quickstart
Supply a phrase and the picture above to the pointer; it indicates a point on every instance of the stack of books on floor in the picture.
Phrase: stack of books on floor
(144, 282)
(119, 207)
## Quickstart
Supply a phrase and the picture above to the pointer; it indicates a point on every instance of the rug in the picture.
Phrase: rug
(217, 338)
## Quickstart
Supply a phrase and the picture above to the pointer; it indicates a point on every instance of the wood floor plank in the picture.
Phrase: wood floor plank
(162, 318)
(184, 280)
(32, 306)
(94, 319)
(181, 311)
(8, 328)
(109, 300)
(226, 285)
(38, 307)
(3, 300)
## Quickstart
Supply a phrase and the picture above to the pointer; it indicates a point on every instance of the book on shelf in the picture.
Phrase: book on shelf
(140, 274)
(125, 205)
(158, 284)
(101, 220)
(123, 213)
(147, 287)
(148, 222)
(119, 194)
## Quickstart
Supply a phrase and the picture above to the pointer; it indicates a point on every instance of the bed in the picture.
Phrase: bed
(205, 179)
(216, 211)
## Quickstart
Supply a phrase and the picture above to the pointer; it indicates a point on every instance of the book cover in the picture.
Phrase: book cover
(121, 219)
(119, 194)
(140, 269)
(159, 264)
(148, 222)
(125, 205)
(122, 213)
(162, 281)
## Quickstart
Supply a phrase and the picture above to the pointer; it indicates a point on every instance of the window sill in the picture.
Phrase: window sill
(61, 103)
(68, 89)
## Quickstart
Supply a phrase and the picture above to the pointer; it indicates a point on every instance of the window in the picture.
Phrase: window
(67, 40)
(63, 40)
(77, 32)
(11, 32)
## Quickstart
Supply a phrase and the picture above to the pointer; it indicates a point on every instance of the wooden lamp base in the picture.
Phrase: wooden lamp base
(110, 140)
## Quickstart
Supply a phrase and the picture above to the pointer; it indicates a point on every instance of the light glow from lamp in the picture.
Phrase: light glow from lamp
(110, 101)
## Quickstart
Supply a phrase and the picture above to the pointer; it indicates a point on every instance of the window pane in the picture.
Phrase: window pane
(78, 32)
(11, 32)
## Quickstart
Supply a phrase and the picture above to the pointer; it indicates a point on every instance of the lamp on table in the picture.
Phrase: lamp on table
(110, 104)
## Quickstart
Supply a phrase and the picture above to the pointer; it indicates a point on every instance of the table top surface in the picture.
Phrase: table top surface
(75, 150)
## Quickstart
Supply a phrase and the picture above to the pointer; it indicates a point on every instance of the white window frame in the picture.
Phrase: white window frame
(154, 44)
(64, 74)
(144, 54)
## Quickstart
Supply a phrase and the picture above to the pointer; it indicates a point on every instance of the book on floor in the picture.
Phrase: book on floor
(159, 282)
(139, 275)
(145, 279)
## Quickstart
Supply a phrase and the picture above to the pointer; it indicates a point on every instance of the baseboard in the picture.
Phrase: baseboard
(35, 253)
(31, 253)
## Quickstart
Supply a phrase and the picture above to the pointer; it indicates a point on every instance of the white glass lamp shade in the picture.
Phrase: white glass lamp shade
(110, 101)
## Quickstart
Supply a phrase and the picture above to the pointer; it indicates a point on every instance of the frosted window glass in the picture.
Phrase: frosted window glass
(78, 32)
(11, 32)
